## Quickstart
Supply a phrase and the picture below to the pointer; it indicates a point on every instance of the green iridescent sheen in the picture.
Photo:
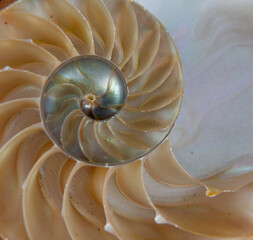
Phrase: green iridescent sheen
(85, 87)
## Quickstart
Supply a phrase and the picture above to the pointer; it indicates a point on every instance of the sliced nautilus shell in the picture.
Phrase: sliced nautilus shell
(90, 148)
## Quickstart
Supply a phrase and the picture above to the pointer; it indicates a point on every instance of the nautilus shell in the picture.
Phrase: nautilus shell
(89, 86)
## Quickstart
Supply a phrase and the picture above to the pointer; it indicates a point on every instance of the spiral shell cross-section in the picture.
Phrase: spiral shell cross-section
(95, 81)
(109, 89)
(89, 80)
(79, 92)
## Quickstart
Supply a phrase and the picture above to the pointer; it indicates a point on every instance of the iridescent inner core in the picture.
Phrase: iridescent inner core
(107, 93)
(102, 85)
(83, 89)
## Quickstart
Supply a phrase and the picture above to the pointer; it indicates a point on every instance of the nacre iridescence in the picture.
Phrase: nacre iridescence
(50, 195)
(83, 106)
(81, 90)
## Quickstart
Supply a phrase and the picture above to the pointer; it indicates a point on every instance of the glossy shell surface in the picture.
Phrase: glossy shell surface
(81, 92)
(120, 100)
(196, 185)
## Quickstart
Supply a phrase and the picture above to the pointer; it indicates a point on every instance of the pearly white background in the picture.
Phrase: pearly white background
(214, 38)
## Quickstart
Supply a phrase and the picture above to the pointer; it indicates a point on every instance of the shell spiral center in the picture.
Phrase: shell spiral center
(82, 89)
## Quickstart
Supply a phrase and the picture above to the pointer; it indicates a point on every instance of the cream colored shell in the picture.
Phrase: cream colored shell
(45, 194)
